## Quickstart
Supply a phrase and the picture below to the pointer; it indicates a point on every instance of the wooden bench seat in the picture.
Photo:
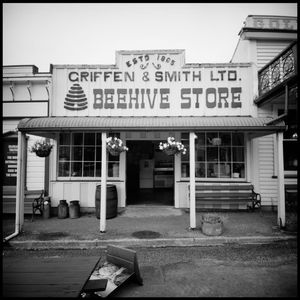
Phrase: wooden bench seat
(230, 196)
(9, 201)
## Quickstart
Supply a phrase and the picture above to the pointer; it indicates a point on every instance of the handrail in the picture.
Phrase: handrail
(283, 66)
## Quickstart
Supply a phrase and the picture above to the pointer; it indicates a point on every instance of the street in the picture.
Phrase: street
(268, 270)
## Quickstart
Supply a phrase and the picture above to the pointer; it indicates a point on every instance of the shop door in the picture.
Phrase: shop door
(144, 185)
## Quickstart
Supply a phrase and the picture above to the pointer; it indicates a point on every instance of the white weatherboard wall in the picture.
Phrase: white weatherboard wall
(268, 186)
(267, 50)
(9, 125)
(35, 171)
(82, 191)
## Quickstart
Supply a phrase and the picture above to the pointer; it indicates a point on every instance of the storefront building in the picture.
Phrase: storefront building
(146, 97)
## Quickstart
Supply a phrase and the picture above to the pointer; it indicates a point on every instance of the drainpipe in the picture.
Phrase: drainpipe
(103, 184)
(18, 198)
(281, 194)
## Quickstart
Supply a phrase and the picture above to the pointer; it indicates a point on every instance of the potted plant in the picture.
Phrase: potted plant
(172, 147)
(115, 146)
(212, 224)
(41, 148)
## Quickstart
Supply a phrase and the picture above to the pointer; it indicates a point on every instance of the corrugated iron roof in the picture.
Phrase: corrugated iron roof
(147, 123)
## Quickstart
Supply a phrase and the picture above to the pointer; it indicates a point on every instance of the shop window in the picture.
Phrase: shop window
(217, 155)
(290, 139)
(79, 155)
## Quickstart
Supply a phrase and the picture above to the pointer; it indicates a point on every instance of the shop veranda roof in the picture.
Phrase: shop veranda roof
(174, 123)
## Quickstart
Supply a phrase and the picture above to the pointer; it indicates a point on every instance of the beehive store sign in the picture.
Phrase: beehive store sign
(152, 84)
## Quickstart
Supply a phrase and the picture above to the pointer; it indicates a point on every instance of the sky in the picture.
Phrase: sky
(41, 34)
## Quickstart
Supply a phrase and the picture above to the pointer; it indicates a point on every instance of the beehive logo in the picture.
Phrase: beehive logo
(76, 98)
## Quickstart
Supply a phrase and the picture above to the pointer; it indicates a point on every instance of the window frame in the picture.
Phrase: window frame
(219, 162)
(98, 147)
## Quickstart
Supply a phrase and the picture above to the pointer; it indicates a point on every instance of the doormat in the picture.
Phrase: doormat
(146, 234)
(151, 211)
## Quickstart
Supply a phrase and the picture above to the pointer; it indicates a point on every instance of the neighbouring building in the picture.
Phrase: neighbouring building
(270, 42)
(26, 93)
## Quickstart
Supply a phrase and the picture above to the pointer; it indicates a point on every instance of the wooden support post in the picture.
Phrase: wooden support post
(103, 183)
(280, 174)
(192, 182)
(20, 181)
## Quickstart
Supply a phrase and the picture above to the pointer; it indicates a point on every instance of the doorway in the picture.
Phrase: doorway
(149, 174)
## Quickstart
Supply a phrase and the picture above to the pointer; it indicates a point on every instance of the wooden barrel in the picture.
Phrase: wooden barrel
(111, 201)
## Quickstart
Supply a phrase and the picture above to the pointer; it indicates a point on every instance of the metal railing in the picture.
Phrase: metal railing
(278, 70)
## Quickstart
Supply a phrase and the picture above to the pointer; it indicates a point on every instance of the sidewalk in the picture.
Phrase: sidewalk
(144, 226)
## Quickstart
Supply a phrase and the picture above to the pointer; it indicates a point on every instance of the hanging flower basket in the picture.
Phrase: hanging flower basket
(172, 147)
(170, 151)
(115, 146)
(43, 153)
(41, 148)
(114, 152)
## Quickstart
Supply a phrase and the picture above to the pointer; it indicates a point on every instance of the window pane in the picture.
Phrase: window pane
(209, 138)
(238, 153)
(64, 153)
(225, 139)
(238, 170)
(225, 170)
(237, 139)
(212, 153)
(76, 169)
(77, 153)
(225, 154)
(64, 168)
(64, 139)
(98, 153)
(98, 139)
(200, 140)
(89, 139)
(89, 153)
(290, 154)
(113, 169)
(78, 138)
(212, 170)
(88, 169)
(200, 170)
(185, 170)
(98, 169)
(200, 153)
(185, 136)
